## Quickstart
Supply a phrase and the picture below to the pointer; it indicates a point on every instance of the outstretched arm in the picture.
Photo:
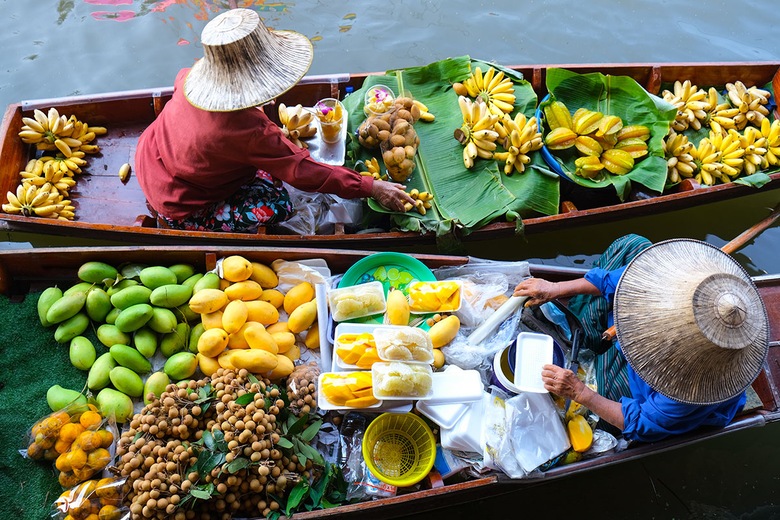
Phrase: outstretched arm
(541, 291)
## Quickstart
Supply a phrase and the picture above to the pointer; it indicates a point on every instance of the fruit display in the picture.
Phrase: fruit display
(603, 142)
(398, 380)
(439, 296)
(46, 180)
(348, 389)
(403, 343)
(476, 134)
(519, 136)
(348, 303)
(297, 124)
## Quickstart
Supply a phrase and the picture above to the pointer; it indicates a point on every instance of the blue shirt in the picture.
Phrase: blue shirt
(649, 416)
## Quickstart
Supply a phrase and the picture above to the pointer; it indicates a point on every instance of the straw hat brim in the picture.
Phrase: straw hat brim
(690, 322)
(245, 64)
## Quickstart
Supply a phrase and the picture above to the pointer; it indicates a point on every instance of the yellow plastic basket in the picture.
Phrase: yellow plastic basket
(399, 448)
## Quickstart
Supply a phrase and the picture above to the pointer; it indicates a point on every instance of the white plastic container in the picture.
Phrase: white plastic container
(410, 344)
(357, 301)
(466, 433)
(396, 380)
(453, 390)
(533, 351)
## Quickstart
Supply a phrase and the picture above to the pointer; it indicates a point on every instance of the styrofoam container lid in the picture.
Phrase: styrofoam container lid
(466, 433)
(453, 389)
(533, 351)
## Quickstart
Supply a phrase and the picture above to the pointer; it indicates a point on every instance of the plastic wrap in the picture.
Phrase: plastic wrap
(99, 498)
(317, 213)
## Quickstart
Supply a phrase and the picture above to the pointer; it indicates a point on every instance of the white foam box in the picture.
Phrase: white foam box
(533, 351)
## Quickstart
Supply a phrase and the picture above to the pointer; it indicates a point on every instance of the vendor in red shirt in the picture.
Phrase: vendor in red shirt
(212, 160)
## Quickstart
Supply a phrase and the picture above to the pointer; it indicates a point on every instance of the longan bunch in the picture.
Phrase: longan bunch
(159, 451)
(302, 390)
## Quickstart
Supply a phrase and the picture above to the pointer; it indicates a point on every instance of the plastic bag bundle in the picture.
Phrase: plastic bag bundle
(94, 498)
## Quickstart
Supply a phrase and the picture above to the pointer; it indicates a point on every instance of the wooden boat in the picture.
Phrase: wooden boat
(34, 269)
(112, 211)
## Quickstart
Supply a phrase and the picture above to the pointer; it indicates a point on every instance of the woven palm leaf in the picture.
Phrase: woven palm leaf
(463, 198)
(621, 96)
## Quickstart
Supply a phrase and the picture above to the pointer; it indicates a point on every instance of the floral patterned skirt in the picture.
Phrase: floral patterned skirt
(259, 203)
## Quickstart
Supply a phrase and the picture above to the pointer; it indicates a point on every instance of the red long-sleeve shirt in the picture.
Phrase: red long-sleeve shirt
(189, 158)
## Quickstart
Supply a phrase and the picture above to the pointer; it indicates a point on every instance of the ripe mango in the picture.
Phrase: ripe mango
(212, 320)
(299, 294)
(284, 341)
(236, 268)
(234, 316)
(246, 290)
(397, 308)
(284, 367)
(262, 312)
(208, 365)
(272, 296)
(208, 300)
(312, 339)
(264, 275)
(212, 342)
(257, 361)
(302, 317)
(444, 331)
(257, 337)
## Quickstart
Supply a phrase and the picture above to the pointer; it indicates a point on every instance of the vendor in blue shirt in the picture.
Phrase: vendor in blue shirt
(695, 338)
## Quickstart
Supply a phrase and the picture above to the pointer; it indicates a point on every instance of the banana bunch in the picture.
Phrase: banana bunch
(708, 166)
(755, 147)
(297, 123)
(49, 170)
(731, 154)
(31, 200)
(420, 112)
(55, 132)
(752, 102)
(692, 103)
(679, 161)
(771, 131)
(422, 201)
(476, 134)
(519, 137)
(373, 169)
(494, 89)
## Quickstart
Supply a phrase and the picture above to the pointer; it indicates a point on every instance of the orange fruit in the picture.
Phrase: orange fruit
(61, 446)
(107, 487)
(70, 431)
(90, 420)
(68, 479)
(109, 513)
(87, 488)
(83, 474)
(106, 438)
(88, 440)
(44, 441)
(78, 458)
(35, 451)
(63, 462)
(98, 459)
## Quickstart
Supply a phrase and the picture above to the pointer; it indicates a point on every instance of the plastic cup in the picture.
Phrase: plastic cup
(378, 99)
(330, 114)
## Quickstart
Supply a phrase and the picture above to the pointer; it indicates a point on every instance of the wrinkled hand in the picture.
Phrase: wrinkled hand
(561, 381)
(391, 195)
(537, 290)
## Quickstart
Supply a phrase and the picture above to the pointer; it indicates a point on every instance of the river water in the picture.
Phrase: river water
(73, 47)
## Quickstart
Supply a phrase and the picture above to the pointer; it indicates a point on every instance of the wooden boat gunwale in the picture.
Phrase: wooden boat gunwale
(137, 108)
(23, 270)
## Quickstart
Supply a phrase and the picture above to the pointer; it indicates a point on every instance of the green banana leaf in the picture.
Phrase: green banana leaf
(624, 97)
(464, 199)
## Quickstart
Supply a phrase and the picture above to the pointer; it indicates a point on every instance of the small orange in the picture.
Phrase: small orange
(90, 420)
(92, 516)
(107, 487)
(50, 455)
(88, 440)
(68, 479)
(44, 441)
(106, 438)
(70, 431)
(83, 474)
(61, 446)
(63, 462)
(78, 458)
(109, 513)
(88, 487)
(35, 451)
(98, 459)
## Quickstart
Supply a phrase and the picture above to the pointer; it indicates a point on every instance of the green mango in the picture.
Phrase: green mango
(129, 357)
(134, 317)
(98, 304)
(97, 272)
(58, 398)
(121, 284)
(186, 313)
(175, 341)
(112, 315)
(209, 280)
(182, 271)
(66, 307)
(82, 353)
(129, 296)
(197, 330)
(170, 295)
(45, 301)
(156, 276)
(114, 403)
(126, 381)
(97, 377)
(192, 280)
(181, 365)
(109, 334)
(163, 320)
(79, 287)
(145, 341)
(155, 384)
(72, 327)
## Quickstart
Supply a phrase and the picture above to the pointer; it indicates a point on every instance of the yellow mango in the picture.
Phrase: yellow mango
(224, 284)
(444, 331)
(284, 341)
(212, 342)
(207, 365)
(208, 300)
(262, 312)
(245, 290)
(580, 433)
(302, 317)
(397, 308)
(237, 339)
(283, 368)
(234, 316)
(257, 337)
(225, 359)
(264, 275)
(301, 293)
(347, 355)
(438, 358)
(212, 320)
(256, 361)
(362, 402)
(293, 353)
(312, 339)
(236, 268)
(279, 326)
(273, 296)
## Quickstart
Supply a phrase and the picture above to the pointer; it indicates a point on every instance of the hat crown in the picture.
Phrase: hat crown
(731, 310)
(229, 27)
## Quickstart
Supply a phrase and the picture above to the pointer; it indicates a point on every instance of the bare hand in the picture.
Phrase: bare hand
(561, 381)
(537, 290)
(391, 195)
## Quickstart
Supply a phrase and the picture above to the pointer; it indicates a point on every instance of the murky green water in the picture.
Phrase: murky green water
(70, 47)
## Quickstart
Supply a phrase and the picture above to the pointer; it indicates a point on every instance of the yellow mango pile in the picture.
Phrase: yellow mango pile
(440, 296)
(357, 349)
(353, 389)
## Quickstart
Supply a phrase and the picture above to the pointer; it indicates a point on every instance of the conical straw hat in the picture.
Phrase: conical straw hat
(245, 64)
(690, 322)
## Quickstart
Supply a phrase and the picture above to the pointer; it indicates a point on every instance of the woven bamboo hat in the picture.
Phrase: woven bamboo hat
(245, 64)
(690, 322)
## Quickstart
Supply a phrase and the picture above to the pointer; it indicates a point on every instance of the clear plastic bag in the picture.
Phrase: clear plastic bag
(302, 388)
(361, 484)
(98, 498)
(317, 213)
